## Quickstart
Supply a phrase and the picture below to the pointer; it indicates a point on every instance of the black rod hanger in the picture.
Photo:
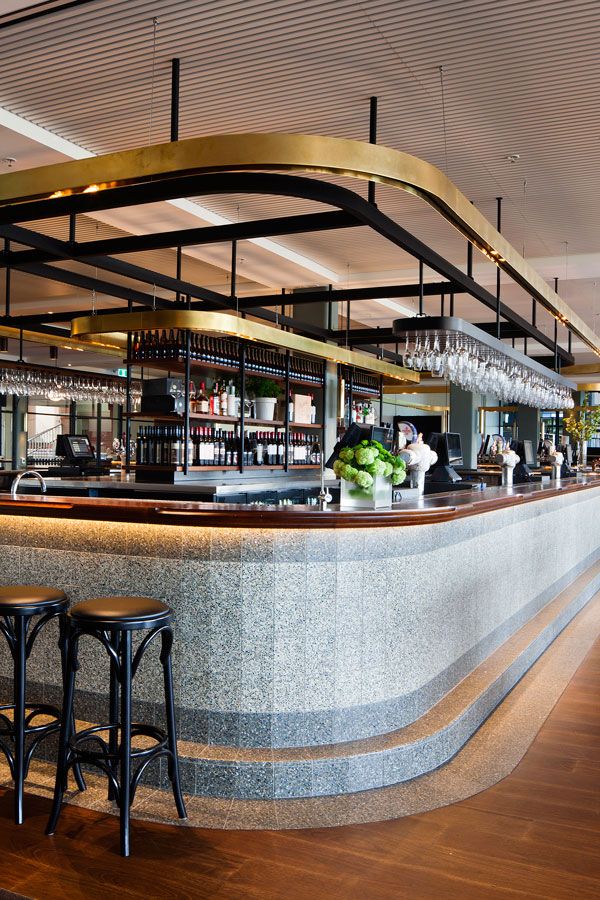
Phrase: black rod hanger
(175, 70)
(498, 283)
(372, 140)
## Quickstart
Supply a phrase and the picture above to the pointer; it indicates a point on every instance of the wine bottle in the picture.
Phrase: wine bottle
(202, 405)
(223, 399)
(215, 400)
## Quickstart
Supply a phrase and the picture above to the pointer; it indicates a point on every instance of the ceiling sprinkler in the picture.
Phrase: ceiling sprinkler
(513, 157)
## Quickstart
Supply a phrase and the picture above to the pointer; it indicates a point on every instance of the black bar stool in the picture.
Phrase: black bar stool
(19, 604)
(112, 620)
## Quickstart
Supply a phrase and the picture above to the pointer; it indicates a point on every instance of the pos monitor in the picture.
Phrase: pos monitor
(75, 448)
(449, 450)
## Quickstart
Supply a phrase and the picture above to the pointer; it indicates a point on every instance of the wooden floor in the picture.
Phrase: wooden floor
(535, 834)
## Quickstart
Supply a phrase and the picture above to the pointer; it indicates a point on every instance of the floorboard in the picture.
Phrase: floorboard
(536, 834)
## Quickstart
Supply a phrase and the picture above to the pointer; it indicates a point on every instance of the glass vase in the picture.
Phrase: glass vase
(582, 448)
(378, 496)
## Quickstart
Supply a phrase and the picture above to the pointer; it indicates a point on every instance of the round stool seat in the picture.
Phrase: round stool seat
(126, 613)
(29, 599)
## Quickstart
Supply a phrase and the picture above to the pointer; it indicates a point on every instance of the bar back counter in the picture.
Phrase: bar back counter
(318, 651)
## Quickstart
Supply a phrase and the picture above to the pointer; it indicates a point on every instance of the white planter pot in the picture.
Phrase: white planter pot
(264, 408)
(378, 496)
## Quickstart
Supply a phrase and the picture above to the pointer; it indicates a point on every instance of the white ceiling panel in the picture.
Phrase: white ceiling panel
(520, 79)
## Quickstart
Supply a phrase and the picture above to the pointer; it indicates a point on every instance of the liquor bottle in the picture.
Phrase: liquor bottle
(271, 450)
(200, 447)
(290, 408)
(280, 449)
(172, 348)
(162, 345)
(215, 400)
(192, 392)
(202, 405)
(259, 456)
(223, 399)
(313, 410)
(315, 454)
(191, 450)
(150, 453)
(139, 447)
(232, 408)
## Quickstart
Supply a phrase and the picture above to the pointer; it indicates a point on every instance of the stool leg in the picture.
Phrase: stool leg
(20, 626)
(125, 749)
(60, 783)
(113, 709)
(173, 765)
(62, 643)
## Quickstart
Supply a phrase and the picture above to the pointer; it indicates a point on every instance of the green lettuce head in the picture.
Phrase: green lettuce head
(376, 468)
(338, 466)
(363, 479)
(349, 473)
(365, 456)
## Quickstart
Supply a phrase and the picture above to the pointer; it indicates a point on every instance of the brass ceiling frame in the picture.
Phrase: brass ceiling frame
(63, 341)
(582, 369)
(112, 325)
(294, 153)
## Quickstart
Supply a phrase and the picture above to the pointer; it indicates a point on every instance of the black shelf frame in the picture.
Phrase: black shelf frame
(186, 366)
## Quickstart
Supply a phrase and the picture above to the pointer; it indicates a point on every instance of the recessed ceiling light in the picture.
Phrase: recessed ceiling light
(397, 307)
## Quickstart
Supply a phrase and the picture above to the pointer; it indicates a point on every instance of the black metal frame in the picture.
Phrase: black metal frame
(115, 759)
(14, 625)
(350, 210)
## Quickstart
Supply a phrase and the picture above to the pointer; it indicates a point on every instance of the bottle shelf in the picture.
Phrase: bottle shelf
(264, 467)
(203, 417)
(175, 365)
(370, 395)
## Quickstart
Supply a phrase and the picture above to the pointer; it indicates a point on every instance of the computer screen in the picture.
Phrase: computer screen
(454, 446)
(382, 435)
(80, 446)
(529, 454)
(74, 446)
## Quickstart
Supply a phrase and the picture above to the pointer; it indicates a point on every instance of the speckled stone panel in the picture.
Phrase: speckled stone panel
(286, 638)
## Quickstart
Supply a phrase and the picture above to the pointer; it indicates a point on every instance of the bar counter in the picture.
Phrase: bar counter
(310, 642)
(65, 500)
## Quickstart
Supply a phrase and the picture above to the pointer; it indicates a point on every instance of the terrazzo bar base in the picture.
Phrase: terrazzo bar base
(306, 661)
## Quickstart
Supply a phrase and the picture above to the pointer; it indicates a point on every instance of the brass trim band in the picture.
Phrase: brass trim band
(110, 324)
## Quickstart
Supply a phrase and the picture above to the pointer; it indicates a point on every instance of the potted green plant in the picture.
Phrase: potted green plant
(581, 427)
(367, 474)
(265, 392)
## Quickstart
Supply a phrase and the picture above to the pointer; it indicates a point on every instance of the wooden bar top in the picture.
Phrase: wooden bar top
(428, 510)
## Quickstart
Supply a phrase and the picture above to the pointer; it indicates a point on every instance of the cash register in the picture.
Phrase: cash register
(78, 457)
